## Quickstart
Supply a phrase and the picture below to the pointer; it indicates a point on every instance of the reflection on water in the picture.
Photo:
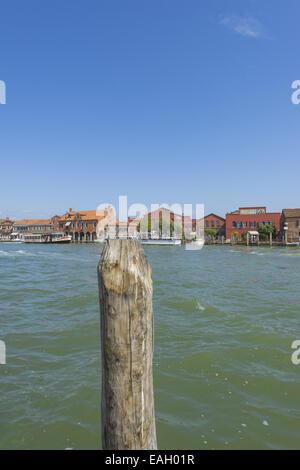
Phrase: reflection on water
(225, 319)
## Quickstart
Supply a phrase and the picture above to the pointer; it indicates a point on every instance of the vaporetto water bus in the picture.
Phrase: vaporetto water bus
(47, 238)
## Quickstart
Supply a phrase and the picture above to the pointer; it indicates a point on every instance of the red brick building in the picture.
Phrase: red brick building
(215, 222)
(81, 225)
(163, 221)
(92, 224)
(247, 219)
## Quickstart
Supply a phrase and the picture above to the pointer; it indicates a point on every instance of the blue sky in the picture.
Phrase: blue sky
(162, 100)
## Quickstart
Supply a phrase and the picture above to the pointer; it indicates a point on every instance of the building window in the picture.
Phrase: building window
(218, 223)
(244, 224)
(207, 223)
(95, 224)
(252, 224)
(239, 225)
(212, 223)
(86, 224)
(298, 223)
(234, 224)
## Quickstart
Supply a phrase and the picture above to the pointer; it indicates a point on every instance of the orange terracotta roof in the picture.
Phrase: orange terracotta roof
(5, 222)
(33, 222)
(84, 215)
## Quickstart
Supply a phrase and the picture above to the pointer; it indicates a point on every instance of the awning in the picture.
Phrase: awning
(253, 232)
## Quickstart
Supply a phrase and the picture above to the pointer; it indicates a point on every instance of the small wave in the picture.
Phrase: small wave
(16, 253)
(291, 254)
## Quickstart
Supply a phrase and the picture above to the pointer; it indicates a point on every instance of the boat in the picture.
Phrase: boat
(35, 238)
(47, 238)
(61, 239)
(16, 237)
(161, 241)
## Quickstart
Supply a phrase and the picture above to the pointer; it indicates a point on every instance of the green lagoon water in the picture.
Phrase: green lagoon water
(225, 319)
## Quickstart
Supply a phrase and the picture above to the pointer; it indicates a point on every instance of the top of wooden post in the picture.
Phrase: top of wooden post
(123, 264)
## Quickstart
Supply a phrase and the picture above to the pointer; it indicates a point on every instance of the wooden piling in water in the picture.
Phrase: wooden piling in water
(125, 295)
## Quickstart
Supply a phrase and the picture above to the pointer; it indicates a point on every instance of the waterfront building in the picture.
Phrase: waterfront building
(215, 222)
(247, 219)
(290, 225)
(91, 225)
(80, 225)
(33, 225)
(163, 222)
(127, 229)
(6, 227)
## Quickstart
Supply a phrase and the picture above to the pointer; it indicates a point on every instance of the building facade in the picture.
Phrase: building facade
(90, 225)
(33, 225)
(80, 225)
(6, 227)
(215, 222)
(247, 219)
(165, 223)
(290, 225)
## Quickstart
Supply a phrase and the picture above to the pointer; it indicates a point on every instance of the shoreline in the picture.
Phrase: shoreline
(228, 244)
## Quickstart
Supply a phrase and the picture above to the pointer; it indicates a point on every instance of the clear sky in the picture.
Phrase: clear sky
(183, 101)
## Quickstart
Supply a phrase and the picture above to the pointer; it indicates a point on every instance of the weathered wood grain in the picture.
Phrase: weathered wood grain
(125, 294)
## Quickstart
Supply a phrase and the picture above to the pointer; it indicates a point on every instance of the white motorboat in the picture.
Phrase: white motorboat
(161, 241)
(61, 239)
(16, 237)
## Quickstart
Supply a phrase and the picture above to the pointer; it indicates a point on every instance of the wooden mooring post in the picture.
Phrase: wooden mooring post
(125, 295)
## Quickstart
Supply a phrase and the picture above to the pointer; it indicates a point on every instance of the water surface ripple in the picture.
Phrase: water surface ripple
(225, 319)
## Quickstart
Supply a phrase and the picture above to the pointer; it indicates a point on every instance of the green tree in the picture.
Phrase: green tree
(211, 233)
(234, 235)
(145, 226)
(265, 230)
